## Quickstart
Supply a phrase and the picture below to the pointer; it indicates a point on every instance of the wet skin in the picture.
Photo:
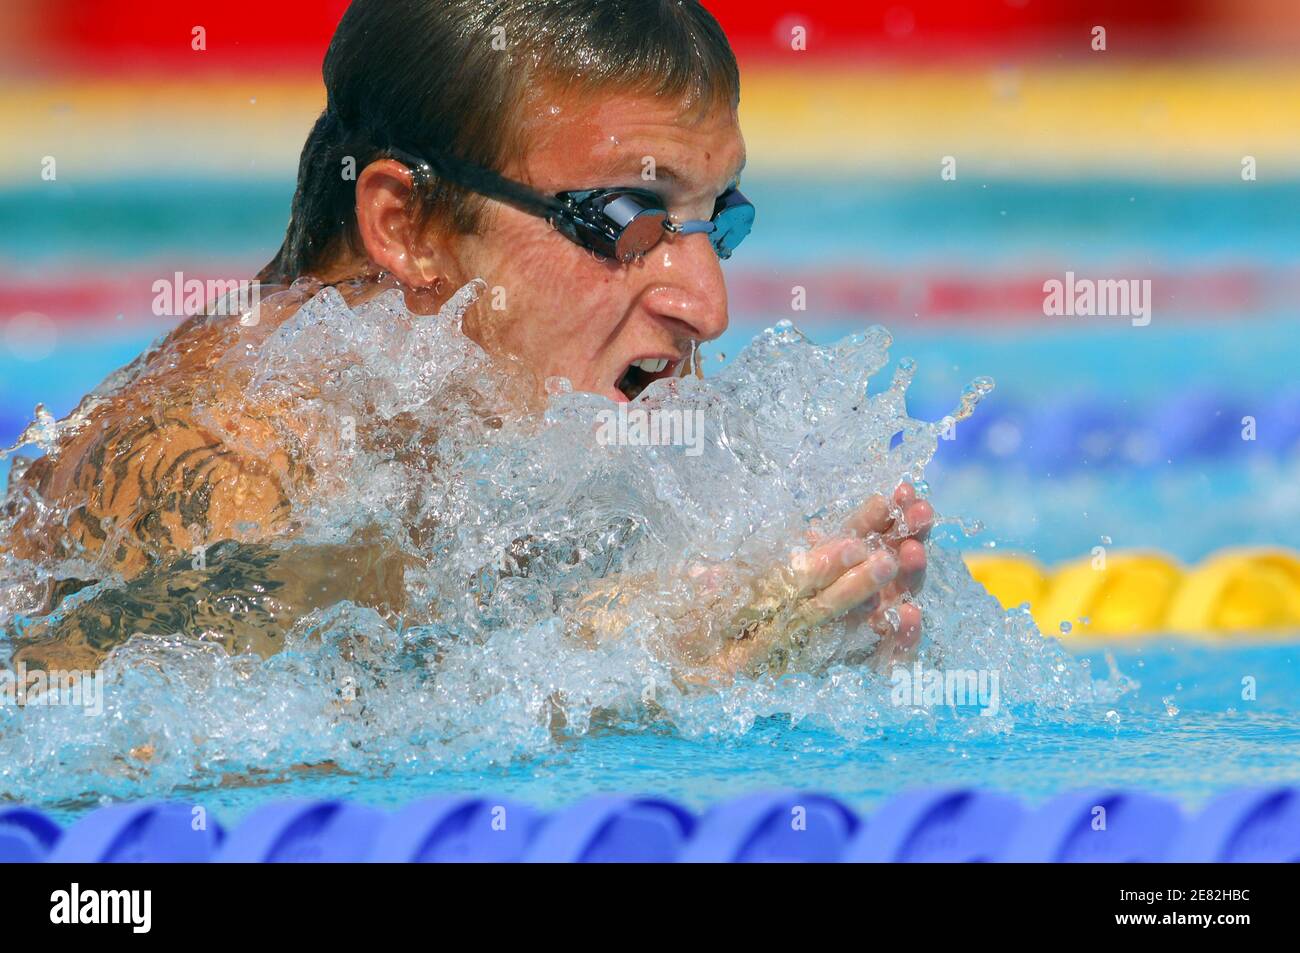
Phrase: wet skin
(147, 479)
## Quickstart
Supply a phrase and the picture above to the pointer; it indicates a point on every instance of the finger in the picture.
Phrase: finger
(899, 628)
(904, 495)
(878, 516)
(853, 588)
(911, 566)
(908, 634)
(873, 516)
(860, 616)
(918, 517)
(820, 566)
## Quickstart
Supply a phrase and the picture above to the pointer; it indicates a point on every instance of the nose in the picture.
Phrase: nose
(689, 288)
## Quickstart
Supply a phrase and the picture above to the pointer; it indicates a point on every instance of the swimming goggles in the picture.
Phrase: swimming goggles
(618, 223)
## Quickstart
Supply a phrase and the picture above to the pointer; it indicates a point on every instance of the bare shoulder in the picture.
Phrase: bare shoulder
(133, 488)
(173, 456)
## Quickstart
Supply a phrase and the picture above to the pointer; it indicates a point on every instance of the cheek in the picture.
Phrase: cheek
(556, 297)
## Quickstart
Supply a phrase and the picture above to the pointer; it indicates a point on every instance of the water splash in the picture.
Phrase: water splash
(407, 422)
(42, 432)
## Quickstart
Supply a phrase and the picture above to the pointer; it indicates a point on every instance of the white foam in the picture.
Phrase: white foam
(791, 439)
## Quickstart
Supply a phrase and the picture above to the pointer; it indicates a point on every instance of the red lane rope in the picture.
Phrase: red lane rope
(839, 291)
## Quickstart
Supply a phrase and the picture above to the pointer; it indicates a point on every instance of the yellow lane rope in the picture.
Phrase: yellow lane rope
(1195, 119)
(1134, 593)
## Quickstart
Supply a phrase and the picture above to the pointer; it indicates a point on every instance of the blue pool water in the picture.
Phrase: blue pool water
(1185, 730)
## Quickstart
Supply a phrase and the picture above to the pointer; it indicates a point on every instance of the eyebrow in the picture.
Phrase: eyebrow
(663, 173)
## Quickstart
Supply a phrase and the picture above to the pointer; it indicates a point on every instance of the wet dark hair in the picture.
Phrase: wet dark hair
(452, 75)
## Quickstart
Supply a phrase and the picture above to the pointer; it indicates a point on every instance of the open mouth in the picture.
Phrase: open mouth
(641, 372)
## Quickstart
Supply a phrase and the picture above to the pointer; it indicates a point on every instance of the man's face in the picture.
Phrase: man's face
(568, 314)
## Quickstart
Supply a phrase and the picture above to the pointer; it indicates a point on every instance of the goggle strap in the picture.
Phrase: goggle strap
(478, 179)
(566, 214)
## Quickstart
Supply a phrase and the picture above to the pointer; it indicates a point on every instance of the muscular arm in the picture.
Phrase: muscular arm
(185, 514)
(139, 491)
(244, 597)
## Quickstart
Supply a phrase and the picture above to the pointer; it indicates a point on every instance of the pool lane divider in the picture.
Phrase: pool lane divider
(1062, 438)
(1234, 593)
(849, 118)
(947, 825)
(94, 298)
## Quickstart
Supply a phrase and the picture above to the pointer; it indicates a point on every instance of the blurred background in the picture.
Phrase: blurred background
(1172, 155)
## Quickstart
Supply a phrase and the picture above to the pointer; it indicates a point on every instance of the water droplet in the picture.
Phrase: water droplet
(558, 385)
(975, 391)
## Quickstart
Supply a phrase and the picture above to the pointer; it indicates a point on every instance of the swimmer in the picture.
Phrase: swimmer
(584, 156)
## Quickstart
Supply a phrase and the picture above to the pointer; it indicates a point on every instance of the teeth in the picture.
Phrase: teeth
(651, 365)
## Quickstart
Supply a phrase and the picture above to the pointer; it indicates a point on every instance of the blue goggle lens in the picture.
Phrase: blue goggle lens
(733, 217)
(625, 224)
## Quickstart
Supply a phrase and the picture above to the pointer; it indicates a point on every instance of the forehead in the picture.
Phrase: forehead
(572, 141)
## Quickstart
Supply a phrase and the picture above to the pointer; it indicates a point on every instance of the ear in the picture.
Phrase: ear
(391, 238)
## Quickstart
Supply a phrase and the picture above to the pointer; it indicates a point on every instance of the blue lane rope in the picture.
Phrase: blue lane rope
(955, 825)
(1065, 435)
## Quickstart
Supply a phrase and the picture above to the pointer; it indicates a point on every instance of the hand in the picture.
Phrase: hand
(891, 613)
(866, 575)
